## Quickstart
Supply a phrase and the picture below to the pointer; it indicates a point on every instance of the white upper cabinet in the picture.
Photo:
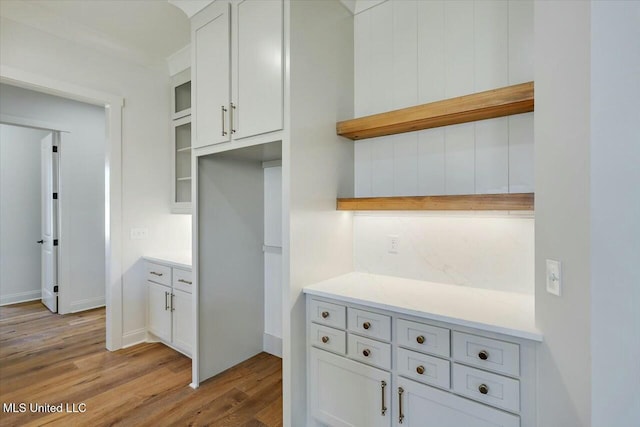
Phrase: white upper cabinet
(257, 63)
(237, 70)
(210, 44)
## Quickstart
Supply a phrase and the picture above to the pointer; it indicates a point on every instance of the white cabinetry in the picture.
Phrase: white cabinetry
(181, 142)
(348, 393)
(169, 306)
(442, 374)
(237, 70)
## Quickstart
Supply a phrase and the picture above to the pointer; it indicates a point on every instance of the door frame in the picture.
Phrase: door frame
(113, 178)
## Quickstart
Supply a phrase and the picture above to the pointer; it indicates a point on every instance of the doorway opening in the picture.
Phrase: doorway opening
(69, 164)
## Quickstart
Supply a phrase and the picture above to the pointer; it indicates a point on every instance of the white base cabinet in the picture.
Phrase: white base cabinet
(348, 393)
(416, 403)
(170, 306)
(372, 367)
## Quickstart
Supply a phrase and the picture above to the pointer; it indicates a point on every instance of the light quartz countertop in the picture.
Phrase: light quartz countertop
(495, 311)
(178, 260)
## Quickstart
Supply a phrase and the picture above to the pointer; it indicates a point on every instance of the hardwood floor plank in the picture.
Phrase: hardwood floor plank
(49, 358)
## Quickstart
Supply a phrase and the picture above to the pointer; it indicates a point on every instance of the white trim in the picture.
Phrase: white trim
(113, 182)
(134, 337)
(20, 297)
(272, 164)
(32, 123)
(179, 61)
(272, 344)
(86, 304)
(190, 7)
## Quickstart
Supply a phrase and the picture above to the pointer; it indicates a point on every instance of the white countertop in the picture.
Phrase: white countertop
(178, 260)
(501, 312)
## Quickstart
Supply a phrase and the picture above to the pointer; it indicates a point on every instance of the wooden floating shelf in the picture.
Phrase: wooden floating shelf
(473, 202)
(493, 103)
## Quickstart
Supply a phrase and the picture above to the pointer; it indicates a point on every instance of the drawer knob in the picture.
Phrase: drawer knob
(420, 339)
(325, 314)
(366, 353)
(420, 369)
(325, 339)
(483, 389)
(366, 325)
(483, 355)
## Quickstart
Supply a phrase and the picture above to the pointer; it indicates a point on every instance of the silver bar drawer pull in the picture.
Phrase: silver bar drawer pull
(184, 281)
(173, 307)
(224, 110)
(233, 107)
(400, 393)
(383, 385)
(166, 302)
(155, 273)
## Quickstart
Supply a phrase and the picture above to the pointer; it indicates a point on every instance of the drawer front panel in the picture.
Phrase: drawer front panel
(370, 324)
(369, 351)
(486, 387)
(328, 314)
(182, 279)
(487, 353)
(159, 274)
(424, 338)
(328, 338)
(423, 368)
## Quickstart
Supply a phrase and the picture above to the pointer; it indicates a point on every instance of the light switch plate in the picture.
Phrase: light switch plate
(554, 277)
(139, 233)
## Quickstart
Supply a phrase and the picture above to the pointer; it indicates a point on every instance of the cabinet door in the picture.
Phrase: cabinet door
(344, 393)
(415, 403)
(159, 311)
(257, 78)
(182, 321)
(211, 74)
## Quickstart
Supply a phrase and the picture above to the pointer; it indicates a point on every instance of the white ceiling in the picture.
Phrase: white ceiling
(145, 31)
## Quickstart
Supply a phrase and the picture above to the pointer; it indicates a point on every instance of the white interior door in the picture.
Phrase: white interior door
(49, 256)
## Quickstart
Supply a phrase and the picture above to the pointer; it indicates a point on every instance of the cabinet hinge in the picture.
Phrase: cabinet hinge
(55, 242)
(55, 148)
(55, 288)
(55, 196)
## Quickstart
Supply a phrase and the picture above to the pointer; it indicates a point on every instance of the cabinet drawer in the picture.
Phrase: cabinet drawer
(421, 337)
(328, 338)
(373, 325)
(369, 351)
(486, 387)
(182, 279)
(328, 314)
(423, 368)
(487, 353)
(159, 274)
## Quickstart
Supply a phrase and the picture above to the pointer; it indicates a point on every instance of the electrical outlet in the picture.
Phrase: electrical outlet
(393, 244)
(554, 277)
(139, 233)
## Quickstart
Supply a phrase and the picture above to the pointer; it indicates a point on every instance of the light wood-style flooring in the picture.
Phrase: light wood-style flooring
(50, 358)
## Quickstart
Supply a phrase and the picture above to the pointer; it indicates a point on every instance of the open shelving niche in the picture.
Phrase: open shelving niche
(506, 101)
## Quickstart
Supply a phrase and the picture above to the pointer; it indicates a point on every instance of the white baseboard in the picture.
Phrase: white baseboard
(134, 337)
(272, 344)
(86, 304)
(20, 297)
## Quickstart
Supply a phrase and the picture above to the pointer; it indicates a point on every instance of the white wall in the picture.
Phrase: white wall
(81, 193)
(413, 52)
(484, 251)
(615, 213)
(273, 260)
(562, 129)
(317, 167)
(146, 146)
(19, 213)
